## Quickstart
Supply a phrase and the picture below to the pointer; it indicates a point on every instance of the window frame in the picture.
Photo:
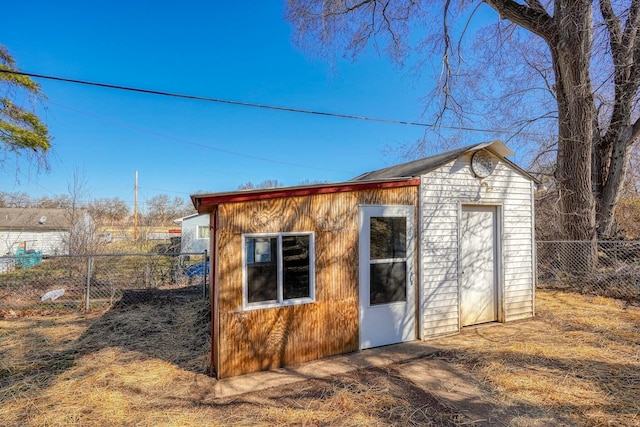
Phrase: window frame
(280, 301)
(203, 227)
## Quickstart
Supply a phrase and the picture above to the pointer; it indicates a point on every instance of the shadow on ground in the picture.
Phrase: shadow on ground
(171, 325)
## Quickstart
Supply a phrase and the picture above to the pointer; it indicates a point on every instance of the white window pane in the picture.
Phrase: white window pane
(203, 232)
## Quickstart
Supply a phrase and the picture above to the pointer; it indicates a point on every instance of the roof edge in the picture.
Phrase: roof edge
(424, 165)
(202, 200)
(497, 146)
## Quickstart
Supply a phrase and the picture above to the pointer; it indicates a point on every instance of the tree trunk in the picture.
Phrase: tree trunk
(570, 46)
(613, 147)
(569, 34)
(610, 191)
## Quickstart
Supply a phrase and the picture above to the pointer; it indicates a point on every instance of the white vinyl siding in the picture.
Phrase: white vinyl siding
(47, 242)
(191, 240)
(443, 191)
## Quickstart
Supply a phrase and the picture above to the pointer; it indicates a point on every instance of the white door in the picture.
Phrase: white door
(387, 294)
(478, 256)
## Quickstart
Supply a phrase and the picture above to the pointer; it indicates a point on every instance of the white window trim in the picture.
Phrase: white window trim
(280, 302)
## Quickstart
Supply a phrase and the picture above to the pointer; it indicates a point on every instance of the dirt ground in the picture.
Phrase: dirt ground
(576, 363)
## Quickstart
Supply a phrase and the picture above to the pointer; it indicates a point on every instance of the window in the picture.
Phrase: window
(278, 269)
(203, 232)
(388, 254)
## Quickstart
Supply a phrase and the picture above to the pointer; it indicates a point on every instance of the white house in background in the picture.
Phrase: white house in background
(50, 231)
(195, 233)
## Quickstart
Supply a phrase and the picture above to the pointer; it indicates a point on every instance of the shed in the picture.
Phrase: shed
(409, 252)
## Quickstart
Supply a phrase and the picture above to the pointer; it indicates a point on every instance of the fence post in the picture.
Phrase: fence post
(204, 276)
(89, 274)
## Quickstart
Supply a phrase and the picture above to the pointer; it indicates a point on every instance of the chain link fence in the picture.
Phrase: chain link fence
(31, 282)
(605, 268)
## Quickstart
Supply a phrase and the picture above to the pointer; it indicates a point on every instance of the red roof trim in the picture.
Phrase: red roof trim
(300, 191)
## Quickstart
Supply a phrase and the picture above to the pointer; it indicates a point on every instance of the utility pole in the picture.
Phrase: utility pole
(135, 209)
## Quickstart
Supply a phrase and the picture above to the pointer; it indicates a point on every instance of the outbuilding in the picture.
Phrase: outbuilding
(194, 233)
(409, 252)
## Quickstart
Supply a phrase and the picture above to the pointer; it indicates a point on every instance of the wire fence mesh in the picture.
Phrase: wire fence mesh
(604, 268)
(31, 282)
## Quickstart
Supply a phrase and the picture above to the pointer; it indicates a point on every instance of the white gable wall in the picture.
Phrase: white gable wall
(443, 192)
(190, 243)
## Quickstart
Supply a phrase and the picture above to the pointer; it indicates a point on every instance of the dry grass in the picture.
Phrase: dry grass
(579, 360)
(578, 363)
(145, 366)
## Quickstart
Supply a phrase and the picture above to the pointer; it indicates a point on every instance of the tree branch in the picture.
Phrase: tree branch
(466, 27)
(612, 23)
(630, 39)
(396, 42)
(630, 34)
(635, 132)
(533, 17)
(326, 12)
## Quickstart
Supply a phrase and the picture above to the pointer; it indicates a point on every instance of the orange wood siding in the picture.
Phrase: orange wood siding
(260, 339)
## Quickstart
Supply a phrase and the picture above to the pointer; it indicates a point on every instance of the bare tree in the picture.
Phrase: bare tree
(584, 58)
(15, 200)
(161, 209)
(267, 183)
(82, 231)
(108, 210)
(62, 201)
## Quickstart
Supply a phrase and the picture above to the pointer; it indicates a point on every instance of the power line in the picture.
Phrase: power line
(195, 144)
(256, 105)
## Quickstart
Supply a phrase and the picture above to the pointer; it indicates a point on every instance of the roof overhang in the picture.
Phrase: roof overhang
(204, 202)
(425, 165)
(496, 146)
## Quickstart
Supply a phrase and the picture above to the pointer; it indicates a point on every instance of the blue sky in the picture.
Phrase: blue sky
(225, 50)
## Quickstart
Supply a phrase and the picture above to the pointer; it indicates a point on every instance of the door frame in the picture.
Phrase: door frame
(498, 253)
(364, 213)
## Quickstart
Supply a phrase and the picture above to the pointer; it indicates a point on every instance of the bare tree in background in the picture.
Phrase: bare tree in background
(572, 64)
(82, 232)
(62, 201)
(267, 183)
(161, 209)
(14, 200)
(109, 211)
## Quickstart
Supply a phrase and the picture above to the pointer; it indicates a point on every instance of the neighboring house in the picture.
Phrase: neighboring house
(195, 233)
(50, 231)
(410, 252)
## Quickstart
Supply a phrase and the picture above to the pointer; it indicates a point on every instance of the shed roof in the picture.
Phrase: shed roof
(34, 219)
(395, 176)
(182, 219)
(200, 201)
(427, 164)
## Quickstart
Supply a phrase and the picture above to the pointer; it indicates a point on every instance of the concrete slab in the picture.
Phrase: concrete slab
(324, 368)
(452, 387)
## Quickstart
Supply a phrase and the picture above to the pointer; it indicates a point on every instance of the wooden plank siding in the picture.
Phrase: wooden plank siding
(259, 339)
(443, 191)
